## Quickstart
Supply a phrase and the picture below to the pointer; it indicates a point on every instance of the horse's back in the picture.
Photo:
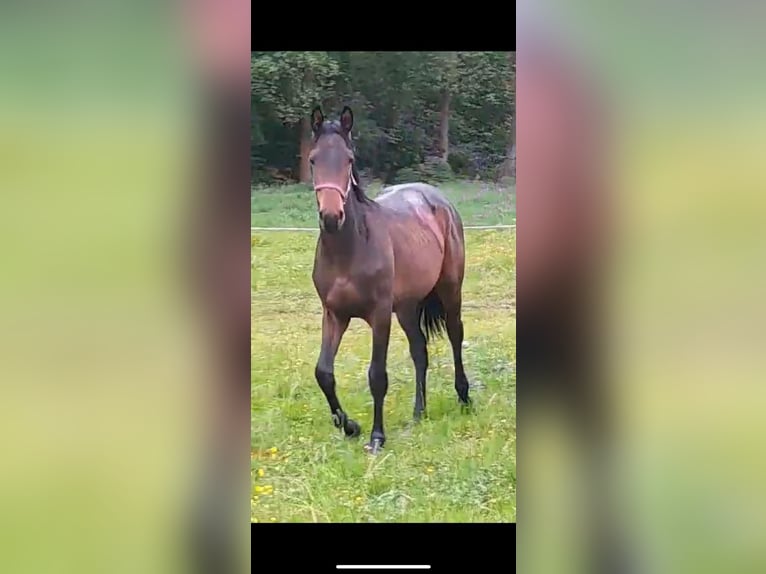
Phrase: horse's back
(422, 198)
(409, 196)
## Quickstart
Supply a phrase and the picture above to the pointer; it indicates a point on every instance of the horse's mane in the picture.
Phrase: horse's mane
(359, 193)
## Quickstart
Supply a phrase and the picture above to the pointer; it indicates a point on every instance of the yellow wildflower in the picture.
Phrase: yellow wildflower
(273, 519)
(430, 469)
(261, 473)
(258, 489)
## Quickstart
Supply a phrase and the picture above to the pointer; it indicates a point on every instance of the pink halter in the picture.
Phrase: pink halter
(343, 193)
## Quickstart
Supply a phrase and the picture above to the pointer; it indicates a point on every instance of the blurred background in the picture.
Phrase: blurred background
(640, 133)
(114, 120)
(445, 118)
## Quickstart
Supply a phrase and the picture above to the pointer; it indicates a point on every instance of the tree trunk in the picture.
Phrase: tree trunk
(305, 135)
(444, 125)
(512, 136)
(513, 160)
(508, 167)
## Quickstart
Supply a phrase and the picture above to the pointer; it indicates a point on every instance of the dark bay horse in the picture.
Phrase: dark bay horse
(402, 253)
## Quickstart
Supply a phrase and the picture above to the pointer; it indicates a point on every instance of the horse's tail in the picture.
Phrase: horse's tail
(433, 318)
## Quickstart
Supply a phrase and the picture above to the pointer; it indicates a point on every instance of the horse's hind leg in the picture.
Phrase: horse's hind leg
(450, 296)
(410, 323)
(333, 328)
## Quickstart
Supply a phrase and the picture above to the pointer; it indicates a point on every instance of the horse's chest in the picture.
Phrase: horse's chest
(343, 294)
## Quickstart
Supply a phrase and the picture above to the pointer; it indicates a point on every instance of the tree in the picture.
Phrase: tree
(484, 104)
(408, 107)
(444, 70)
(288, 85)
(508, 167)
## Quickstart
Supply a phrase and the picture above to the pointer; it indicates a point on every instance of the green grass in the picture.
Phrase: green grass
(479, 203)
(452, 467)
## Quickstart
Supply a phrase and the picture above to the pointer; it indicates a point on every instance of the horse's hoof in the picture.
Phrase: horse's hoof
(466, 405)
(374, 446)
(418, 416)
(352, 429)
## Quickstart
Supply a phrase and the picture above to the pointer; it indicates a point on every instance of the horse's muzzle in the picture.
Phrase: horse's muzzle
(331, 222)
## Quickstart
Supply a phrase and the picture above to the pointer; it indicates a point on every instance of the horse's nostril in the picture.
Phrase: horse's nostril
(330, 223)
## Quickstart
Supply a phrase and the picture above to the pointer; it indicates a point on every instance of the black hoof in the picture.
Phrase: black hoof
(466, 405)
(418, 416)
(375, 445)
(352, 429)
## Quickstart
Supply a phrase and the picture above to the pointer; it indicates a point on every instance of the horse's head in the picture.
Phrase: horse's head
(332, 161)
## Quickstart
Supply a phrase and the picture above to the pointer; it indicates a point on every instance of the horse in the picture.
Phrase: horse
(400, 253)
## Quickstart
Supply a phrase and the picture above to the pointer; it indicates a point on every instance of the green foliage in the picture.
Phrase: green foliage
(481, 120)
(289, 84)
(460, 163)
(433, 170)
(396, 101)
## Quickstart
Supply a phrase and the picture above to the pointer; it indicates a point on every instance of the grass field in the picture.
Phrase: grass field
(452, 467)
(294, 206)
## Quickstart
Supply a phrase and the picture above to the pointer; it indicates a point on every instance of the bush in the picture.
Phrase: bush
(433, 170)
(438, 170)
(461, 164)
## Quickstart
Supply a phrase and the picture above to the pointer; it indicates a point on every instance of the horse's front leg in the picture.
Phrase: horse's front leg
(333, 328)
(380, 322)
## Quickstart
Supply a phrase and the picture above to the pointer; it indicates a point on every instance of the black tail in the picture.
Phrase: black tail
(433, 318)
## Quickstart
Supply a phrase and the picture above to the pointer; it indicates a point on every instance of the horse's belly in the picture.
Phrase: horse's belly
(417, 269)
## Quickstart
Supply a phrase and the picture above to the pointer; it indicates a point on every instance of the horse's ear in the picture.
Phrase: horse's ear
(317, 119)
(347, 119)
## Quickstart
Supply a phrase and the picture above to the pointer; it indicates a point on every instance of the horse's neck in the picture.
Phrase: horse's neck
(341, 245)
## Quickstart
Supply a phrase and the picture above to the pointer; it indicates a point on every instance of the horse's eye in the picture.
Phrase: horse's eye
(311, 161)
